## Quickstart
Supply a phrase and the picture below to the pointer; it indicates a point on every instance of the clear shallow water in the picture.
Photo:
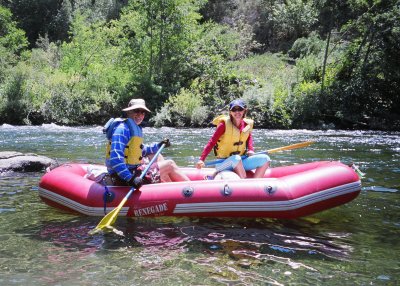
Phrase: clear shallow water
(354, 244)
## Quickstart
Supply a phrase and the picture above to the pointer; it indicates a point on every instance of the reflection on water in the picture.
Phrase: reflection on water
(354, 244)
(157, 244)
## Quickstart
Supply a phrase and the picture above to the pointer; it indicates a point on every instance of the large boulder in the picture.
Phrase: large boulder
(11, 161)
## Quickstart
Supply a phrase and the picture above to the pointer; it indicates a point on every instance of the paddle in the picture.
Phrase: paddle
(111, 217)
(289, 147)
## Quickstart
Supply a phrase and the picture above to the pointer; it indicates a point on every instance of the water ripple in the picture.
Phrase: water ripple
(380, 189)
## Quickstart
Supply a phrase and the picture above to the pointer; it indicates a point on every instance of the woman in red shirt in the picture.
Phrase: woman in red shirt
(231, 140)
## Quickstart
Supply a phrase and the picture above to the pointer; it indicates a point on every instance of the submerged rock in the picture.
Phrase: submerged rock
(11, 161)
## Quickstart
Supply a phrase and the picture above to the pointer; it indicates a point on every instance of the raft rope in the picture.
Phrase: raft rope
(108, 196)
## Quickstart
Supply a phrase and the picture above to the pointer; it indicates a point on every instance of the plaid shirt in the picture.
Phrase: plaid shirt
(120, 138)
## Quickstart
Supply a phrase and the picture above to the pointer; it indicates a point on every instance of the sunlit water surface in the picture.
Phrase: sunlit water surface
(354, 244)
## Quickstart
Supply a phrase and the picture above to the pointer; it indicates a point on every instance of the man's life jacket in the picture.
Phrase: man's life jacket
(133, 150)
(233, 141)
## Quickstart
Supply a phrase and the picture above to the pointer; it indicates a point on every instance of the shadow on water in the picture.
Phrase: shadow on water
(222, 251)
(241, 239)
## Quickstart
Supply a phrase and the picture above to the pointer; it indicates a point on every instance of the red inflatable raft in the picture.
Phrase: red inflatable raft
(285, 192)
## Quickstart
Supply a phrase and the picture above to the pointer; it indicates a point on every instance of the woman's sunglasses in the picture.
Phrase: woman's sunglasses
(235, 109)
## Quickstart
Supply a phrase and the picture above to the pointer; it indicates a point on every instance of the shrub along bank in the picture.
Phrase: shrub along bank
(335, 67)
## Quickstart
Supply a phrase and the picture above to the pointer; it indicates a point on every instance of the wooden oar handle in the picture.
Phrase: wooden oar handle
(289, 147)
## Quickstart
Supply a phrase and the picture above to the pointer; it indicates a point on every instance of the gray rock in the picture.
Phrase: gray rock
(11, 161)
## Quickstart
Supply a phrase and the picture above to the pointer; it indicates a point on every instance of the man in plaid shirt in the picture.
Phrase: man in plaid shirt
(125, 152)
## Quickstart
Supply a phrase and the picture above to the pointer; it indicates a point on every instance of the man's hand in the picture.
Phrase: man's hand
(166, 142)
(137, 182)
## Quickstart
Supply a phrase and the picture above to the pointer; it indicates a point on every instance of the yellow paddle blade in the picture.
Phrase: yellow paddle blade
(111, 217)
(290, 147)
(108, 219)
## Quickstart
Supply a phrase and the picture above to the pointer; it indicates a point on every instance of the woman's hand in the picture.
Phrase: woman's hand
(250, 153)
(200, 164)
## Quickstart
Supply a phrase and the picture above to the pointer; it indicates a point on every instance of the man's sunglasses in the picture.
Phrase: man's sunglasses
(141, 111)
(237, 109)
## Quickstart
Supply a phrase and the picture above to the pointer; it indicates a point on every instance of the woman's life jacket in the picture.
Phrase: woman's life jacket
(232, 142)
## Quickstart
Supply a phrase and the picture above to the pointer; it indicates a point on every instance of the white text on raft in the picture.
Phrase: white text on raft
(151, 210)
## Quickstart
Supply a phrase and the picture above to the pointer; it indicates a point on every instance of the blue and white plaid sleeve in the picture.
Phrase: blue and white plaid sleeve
(119, 140)
(150, 149)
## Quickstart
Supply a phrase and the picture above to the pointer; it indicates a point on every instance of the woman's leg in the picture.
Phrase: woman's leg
(164, 177)
(234, 163)
(260, 171)
(259, 162)
(240, 170)
(170, 169)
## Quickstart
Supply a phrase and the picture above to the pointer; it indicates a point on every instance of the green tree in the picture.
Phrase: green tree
(11, 37)
(12, 41)
(156, 37)
(369, 78)
(94, 66)
(12, 45)
(52, 18)
(38, 18)
(292, 20)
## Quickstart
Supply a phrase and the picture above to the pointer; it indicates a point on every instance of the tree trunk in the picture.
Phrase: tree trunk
(325, 59)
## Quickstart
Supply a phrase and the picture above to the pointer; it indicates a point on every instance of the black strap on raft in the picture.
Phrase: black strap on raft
(107, 198)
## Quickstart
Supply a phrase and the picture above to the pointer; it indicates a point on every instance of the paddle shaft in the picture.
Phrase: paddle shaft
(289, 147)
(212, 163)
(144, 172)
(110, 218)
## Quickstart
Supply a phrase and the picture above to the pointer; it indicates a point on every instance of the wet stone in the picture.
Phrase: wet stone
(11, 161)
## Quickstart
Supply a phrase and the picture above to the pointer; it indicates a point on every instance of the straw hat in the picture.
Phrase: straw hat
(136, 103)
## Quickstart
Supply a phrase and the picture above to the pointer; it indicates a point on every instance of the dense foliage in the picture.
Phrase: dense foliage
(298, 64)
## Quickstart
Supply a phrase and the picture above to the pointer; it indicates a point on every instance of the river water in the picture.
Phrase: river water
(354, 244)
